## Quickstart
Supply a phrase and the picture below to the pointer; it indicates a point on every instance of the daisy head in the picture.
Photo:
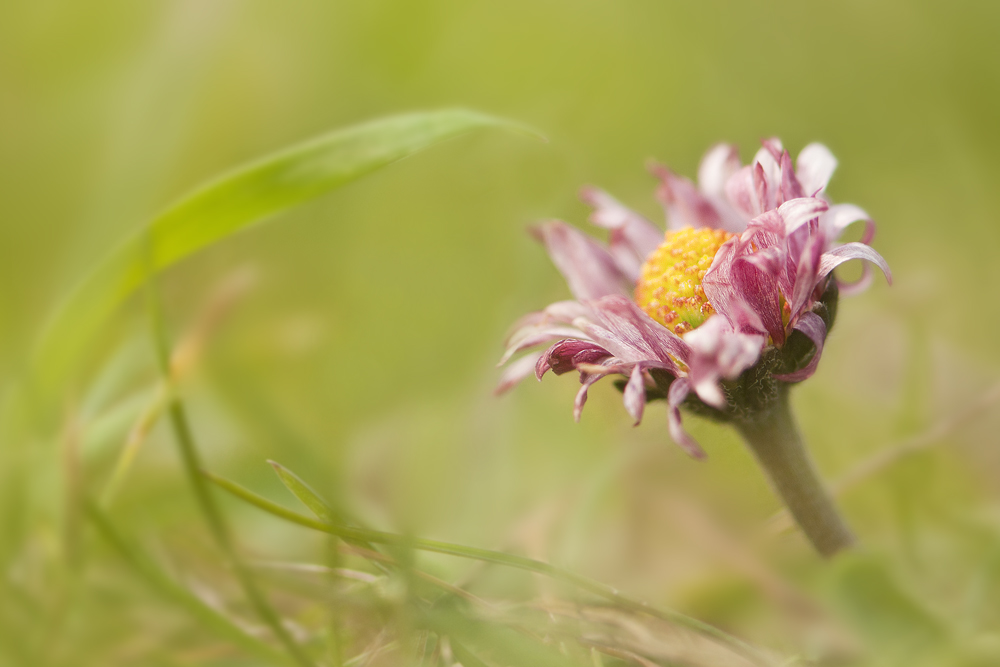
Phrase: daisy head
(720, 313)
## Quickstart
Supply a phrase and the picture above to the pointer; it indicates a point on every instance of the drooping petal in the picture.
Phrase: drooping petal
(581, 396)
(634, 396)
(837, 256)
(814, 167)
(679, 390)
(516, 372)
(716, 168)
(850, 288)
(630, 334)
(797, 212)
(717, 351)
(566, 355)
(840, 216)
(536, 335)
(638, 233)
(685, 205)
(589, 269)
(813, 326)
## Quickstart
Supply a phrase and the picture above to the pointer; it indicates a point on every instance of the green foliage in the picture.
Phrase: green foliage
(359, 349)
(231, 202)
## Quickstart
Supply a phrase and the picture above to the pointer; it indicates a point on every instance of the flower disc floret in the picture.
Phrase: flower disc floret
(669, 288)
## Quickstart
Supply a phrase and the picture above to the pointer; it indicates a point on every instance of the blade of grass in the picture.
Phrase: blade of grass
(305, 493)
(184, 436)
(496, 558)
(206, 616)
(232, 202)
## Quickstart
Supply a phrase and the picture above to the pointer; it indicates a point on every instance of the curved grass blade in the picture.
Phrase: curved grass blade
(348, 533)
(232, 202)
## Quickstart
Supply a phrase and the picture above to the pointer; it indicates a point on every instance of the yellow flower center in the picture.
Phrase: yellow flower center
(669, 288)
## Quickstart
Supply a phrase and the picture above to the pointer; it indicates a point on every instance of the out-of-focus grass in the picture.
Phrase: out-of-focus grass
(360, 354)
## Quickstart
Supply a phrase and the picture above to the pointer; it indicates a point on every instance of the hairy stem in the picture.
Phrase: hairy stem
(777, 445)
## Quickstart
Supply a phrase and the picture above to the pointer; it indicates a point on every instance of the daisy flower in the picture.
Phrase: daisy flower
(722, 312)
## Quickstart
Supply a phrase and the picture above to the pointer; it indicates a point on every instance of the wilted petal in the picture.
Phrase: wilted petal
(517, 371)
(685, 205)
(717, 351)
(813, 326)
(748, 297)
(581, 396)
(807, 274)
(769, 260)
(797, 212)
(634, 396)
(773, 146)
(536, 335)
(837, 256)
(857, 286)
(566, 355)
(790, 186)
(679, 390)
(814, 167)
(840, 216)
(642, 236)
(588, 268)
(716, 168)
(630, 334)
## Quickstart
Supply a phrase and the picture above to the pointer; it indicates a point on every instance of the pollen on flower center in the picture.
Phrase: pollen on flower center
(669, 288)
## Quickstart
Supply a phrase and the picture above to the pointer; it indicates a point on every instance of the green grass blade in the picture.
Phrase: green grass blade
(230, 203)
(348, 533)
(312, 500)
(206, 617)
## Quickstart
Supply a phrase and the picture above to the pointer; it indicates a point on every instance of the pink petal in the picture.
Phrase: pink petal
(716, 168)
(630, 334)
(566, 355)
(685, 205)
(772, 146)
(807, 274)
(581, 396)
(814, 167)
(587, 267)
(797, 212)
(813, 326)
(679, 390)
(748, 297)
(717, 351)
(516, 372)
(769, 260)
(536, 335)
(790, 186)
(634, 396)
(640, 234)
(837, 256)
(859, 285)
(741, 194)
(840, 216)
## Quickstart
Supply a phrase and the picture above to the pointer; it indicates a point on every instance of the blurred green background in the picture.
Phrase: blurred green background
(359, 349)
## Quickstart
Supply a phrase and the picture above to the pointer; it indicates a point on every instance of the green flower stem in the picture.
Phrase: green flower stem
(777, 445)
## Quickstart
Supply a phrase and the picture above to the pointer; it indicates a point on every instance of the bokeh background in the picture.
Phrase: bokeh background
(354, 339)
